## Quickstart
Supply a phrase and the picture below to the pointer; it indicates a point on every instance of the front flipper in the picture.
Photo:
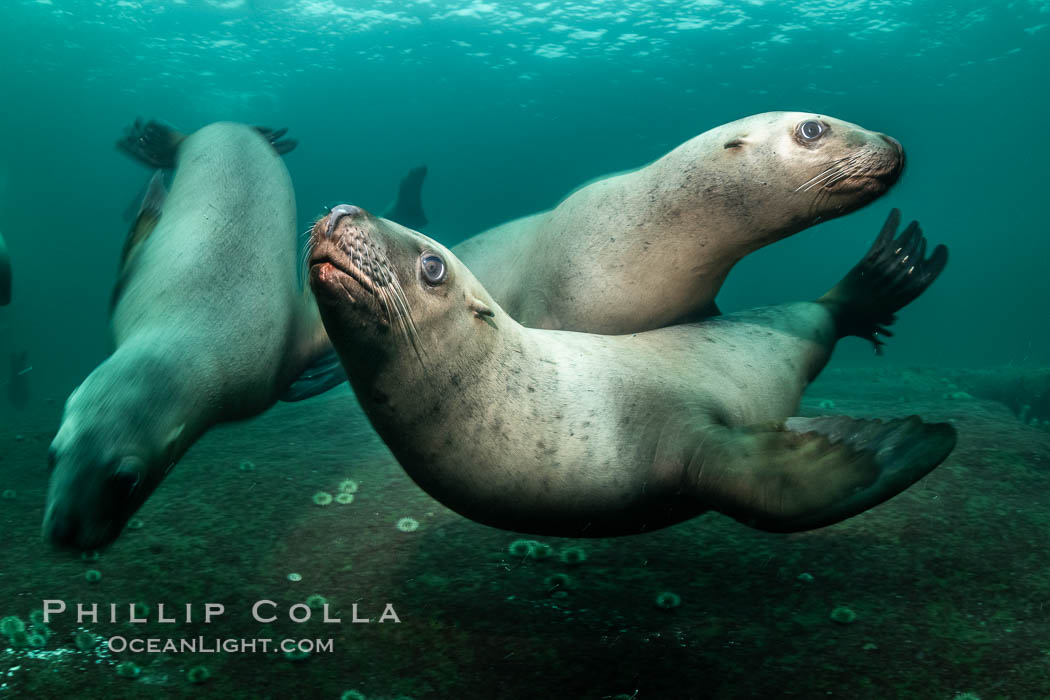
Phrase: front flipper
(145, 222)
(324, 373)
(812, 472)
(893, 273)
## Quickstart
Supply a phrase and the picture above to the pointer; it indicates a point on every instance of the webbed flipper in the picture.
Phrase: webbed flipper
(811, 472)
(889, 277)
(324, 373)
(145, 222)
(153, 143)
(275, 137)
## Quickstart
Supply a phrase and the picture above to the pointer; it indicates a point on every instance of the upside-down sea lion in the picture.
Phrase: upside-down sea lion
(576, 434)
(210, 324)
(652, 247)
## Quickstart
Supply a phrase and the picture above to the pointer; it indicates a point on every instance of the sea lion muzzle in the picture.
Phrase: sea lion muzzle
(337, 213)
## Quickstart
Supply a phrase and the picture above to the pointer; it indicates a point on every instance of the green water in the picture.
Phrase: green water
(511, 105)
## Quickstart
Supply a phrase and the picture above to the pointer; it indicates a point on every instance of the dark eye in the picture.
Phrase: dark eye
(433, 268)
(811, 130)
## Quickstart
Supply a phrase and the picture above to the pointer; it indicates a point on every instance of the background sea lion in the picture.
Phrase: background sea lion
(18, 379)
(5, 274)
(585, 435)
(651, 247)
(210, 324)
(407, 209)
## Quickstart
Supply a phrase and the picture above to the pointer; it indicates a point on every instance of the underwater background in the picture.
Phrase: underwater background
(512, 105)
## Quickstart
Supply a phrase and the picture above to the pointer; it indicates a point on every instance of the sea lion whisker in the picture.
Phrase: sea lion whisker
(403, 306)
(862, 163)
(828, 166)
(393, 304)
(304, 257)
(816, 177)
(413, 332)
(854, 169)
(829, 173)
(385, 303)
(399, 307)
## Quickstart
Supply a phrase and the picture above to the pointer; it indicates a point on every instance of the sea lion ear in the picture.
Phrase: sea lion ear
(481, 309)
(737, 142)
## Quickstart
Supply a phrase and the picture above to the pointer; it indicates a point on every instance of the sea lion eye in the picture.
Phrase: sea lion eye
(433, 268)
(811, 130)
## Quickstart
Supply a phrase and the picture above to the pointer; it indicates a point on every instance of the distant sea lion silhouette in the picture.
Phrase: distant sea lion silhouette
(5, 273)
(209, 320)
(575, 434)
(651, 247)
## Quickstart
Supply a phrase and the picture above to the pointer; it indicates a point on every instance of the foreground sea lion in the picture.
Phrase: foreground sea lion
(5, 274)
(575, 434)
(652, 247)
(210, 324)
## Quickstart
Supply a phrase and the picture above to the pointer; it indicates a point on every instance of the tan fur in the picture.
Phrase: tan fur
(653, 246)
(591, 435)
(547, 431)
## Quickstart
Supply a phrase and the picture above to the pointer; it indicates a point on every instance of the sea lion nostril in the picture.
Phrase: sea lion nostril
(337, 213)
(893, 142)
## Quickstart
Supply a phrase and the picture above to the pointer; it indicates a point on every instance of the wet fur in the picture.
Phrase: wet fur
(650, 247)
(587, 435)
(211, 325)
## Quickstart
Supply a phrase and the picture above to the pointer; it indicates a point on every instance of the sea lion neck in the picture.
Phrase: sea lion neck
(476, 358)
(169, 399)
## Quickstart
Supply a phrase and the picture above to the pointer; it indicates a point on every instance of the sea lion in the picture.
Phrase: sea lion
(5, 274)
(155, 143)
(652, 247)
(573, 434)
(210, 324)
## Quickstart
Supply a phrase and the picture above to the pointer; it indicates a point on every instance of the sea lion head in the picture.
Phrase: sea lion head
(113, 448)
(381, 286)
(779, 172)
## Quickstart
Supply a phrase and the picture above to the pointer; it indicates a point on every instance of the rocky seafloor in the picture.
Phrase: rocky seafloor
(940, 592)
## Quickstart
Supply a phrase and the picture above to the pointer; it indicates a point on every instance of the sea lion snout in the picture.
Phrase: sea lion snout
(346, 256)
(337, 213)
(91, 514)
(901, 159)
(66, 527)
(893, 142)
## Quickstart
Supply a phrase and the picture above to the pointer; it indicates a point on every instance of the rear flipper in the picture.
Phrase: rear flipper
(889, 277)
(408, 209)
(274, 136)
(155, 143)
(812, 472)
